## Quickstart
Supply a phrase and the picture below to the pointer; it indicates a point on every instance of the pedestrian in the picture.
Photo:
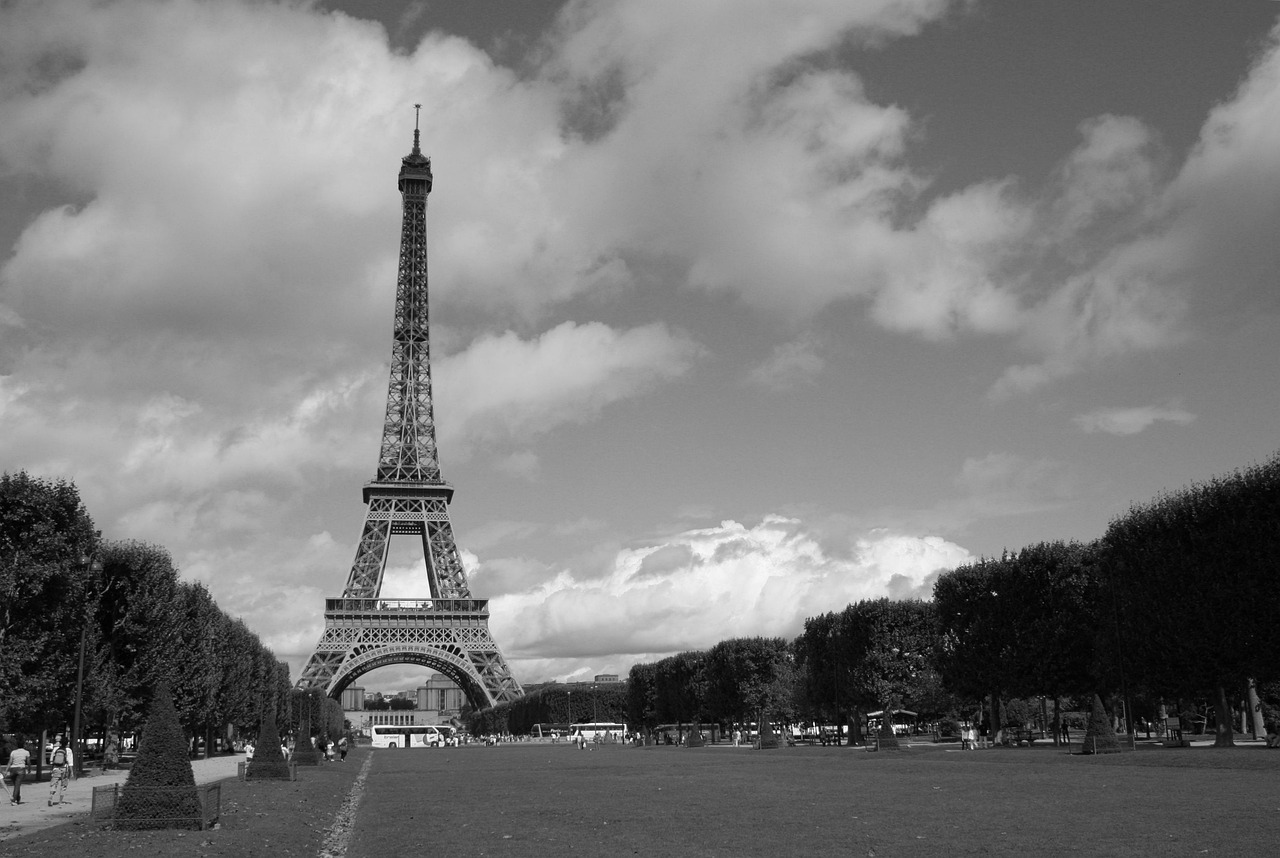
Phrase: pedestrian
(60, 762)
(1066, 733)
(19, 759)
(342, 749)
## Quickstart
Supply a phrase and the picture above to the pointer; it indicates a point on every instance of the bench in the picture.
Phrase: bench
(1173, 737)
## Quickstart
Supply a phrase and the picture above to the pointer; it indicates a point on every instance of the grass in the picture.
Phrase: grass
(553, 800)
(260, 819)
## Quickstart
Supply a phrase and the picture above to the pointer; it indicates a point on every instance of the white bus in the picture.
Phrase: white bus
(599, 731)
(415, 736)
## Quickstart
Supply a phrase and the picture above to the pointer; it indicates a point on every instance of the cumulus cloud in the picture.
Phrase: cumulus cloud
(1131, 421)
(702, 586)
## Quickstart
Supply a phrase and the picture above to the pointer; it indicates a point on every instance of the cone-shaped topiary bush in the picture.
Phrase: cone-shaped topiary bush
(694, 738)
(1099, 736)
(768, 738)
(885, 736)
(268, 764)
(160, 791)
(304, 753)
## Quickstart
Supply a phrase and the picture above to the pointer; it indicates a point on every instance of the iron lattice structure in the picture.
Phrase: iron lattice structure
(449, 630)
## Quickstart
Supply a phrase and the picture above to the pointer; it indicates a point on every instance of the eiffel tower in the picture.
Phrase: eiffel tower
(449, 631)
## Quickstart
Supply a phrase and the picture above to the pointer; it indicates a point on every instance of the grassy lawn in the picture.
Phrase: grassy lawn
(259, 820)
(552, 800)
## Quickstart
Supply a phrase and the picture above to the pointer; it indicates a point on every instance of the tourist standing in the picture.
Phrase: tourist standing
(60, 770)
(19, 759)
(342, 749)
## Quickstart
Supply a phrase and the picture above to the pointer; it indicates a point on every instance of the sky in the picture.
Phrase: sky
(741, 310)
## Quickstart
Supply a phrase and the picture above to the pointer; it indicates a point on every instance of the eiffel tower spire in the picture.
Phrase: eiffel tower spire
(449, 631)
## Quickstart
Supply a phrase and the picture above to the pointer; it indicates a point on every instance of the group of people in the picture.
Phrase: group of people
(327, 749)
(61, 761)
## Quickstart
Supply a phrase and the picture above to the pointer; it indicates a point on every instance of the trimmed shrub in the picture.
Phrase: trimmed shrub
(160, 791)
(268, 764)
(887, 739)
(305, 753)
(1099, 736)
(768, 738)
(694, 738)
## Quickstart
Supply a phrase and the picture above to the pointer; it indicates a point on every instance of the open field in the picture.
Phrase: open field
(611, 800)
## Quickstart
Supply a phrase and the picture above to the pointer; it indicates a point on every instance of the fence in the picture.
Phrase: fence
(273, 773)
(157, 800)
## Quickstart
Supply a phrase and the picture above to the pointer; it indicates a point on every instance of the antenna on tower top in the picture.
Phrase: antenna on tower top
(416, 109)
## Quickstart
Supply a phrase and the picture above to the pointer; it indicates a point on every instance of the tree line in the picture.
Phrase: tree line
(113, 618)
(551, 704)
(1171, 612)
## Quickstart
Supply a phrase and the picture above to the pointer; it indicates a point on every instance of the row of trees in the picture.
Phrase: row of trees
(113, 619)
(551, 704)
(1174, 605)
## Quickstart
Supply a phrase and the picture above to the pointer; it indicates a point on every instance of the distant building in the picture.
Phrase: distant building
(607, 677)
(438, 702)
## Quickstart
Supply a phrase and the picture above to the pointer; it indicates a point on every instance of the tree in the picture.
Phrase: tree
(46, 584)
(681, 687)
(1188, 572)
(895, 645)
(751, 678)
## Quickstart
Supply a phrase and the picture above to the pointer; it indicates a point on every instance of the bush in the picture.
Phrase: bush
(304, 753)
(268, 764)
(160, 791)
(1099, 735)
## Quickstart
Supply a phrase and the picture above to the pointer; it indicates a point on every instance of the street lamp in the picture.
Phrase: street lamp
(570, 705)
(595, 705)
(94, 565)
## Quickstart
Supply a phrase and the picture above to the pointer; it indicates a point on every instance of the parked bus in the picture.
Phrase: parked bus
(598, 731)
(550, 731)
(416, 736)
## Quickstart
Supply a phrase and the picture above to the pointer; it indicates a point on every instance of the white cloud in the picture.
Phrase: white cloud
(791, 364)
(702, 586)
(1131, 421)
(505, 388)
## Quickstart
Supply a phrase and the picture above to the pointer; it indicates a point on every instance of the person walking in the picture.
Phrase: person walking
(19, 760)
(342, 749)
(60, 762)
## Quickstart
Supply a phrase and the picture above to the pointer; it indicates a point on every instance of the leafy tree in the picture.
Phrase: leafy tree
(1188, 572)
(751, 678)
(894, 647)
(642, 696)
(46, 586)
(681, 687)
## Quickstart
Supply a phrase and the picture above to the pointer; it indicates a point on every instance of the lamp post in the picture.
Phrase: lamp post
(94, 565)
(595, 705)
(570, 705)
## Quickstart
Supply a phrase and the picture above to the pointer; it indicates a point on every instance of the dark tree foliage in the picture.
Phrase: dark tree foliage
(552, 704)
(681, 688)
(642, 696)
(160, 790)
(751, 679)
(46, 590)
(1193, 576)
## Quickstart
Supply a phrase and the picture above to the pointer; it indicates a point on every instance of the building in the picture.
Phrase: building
(438, 702)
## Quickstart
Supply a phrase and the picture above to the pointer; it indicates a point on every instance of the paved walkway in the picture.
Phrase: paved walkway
(35, 813)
